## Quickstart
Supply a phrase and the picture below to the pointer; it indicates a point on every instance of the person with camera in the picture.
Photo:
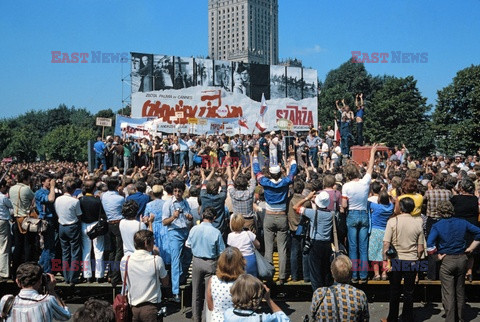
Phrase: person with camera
(176, 215)
(298, 233)
(37, 300)
(145, 275)
(44, 199)
(318, 246)
(25, 242)
(207, 244)
(403, 246)
(349, 303)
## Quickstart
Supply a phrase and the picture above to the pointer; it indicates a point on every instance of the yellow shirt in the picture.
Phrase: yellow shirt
(417, 199)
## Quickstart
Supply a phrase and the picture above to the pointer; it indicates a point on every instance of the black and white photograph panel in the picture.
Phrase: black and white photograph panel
(204, 72)
(223, 74)
(310, 83)
(277, 82)
(294, 83)
(241, 78)
(183, 69)
(163, 72)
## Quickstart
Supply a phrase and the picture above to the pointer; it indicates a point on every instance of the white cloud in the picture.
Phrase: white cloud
(315, 49)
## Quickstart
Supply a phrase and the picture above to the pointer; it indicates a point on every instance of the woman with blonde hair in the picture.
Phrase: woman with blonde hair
(247, 294)
(230, 265)
(245, 241)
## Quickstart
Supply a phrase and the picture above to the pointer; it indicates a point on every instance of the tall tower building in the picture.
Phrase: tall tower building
(243, 30)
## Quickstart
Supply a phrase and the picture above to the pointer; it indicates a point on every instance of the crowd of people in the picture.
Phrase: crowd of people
(161, 205)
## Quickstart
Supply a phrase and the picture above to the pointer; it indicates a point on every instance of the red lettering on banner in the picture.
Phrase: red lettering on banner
(212, 99)
(298, 116)
(56, 265)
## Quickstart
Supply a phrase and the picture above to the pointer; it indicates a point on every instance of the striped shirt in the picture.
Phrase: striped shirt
(352, 304)
(29, 305)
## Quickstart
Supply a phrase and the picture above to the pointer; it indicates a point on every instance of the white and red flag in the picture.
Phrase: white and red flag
(336, 136)
(263, 107)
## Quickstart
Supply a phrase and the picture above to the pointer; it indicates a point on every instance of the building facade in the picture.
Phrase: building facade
(243, 30)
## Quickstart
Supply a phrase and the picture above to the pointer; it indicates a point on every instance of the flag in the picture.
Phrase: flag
(336, 136)
(263, 107)
(261, 126)
(243, 122)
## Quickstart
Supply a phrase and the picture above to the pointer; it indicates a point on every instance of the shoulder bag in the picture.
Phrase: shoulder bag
(100, 228)
(265, 269)
(391, 251)
(30, 223)
(120, 304)
(338, 249)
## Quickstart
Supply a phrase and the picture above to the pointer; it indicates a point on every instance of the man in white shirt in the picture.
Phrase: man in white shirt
(69, 232)
(145, 275)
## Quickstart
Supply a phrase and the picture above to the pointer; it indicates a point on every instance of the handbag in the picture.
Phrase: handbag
(337, 249)
(120, 304)
(100, 228)
(391, 251)
(265, 269)
(30, 223)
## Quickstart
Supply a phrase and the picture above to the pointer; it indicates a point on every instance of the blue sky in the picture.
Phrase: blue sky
(321, 33)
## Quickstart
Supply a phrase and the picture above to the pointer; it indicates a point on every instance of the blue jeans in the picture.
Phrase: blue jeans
(181, 256)
(100, 159)
(296, 250)
(344, 136)
(357, 227)
(251, 265)
(48, 254)
(70, 240)
(183, 155)
(313, 154)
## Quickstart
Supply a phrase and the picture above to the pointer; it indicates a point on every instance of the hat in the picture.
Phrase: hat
(412, 166)
(272, 133)
(425, 182)
(322, 200)
(444, 171)
(226, 147)
(274, 169)
(454, 174)
(157, 188)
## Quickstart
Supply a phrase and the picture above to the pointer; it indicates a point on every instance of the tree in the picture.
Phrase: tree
(23, 143)
(398, 115)
(456, 119)
(67, 143)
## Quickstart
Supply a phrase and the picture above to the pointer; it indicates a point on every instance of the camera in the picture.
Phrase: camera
(307, 246)
(162, 312)
(45, 282)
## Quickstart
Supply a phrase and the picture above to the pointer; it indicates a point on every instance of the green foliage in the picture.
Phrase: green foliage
(60, 134)
(456, 120)
(23, 143)
(67, 142)
(397, 115)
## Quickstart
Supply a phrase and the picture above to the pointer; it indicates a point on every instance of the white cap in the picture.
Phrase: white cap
(322, 200)
(272, 133)
(274, 169)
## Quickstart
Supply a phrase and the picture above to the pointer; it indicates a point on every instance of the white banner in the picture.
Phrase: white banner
(201, 110)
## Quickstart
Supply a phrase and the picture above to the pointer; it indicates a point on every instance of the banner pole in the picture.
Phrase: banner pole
(103, 131)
